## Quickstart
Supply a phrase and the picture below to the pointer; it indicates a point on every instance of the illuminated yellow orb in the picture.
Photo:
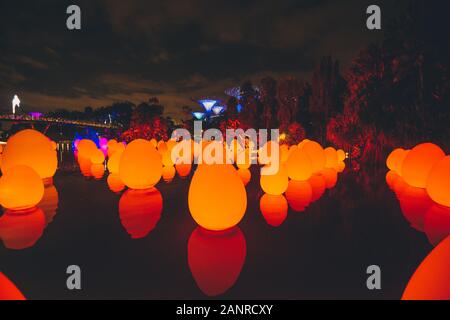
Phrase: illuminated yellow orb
(217, 197)
(275, 184)
(97, 157)
(299, 165)
(30, 148)
(21, 188)
(140, 166)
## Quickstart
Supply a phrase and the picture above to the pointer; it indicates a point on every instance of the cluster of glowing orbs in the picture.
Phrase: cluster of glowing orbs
(299, 166)
(419, 162)
(114, 162)
(431, 280)
(316, 153)
(274, 209)
(140, 166)
(217, 197)
(331, 158)
(33, 149)
(245, 176)
(168, 174)
(299, 195)
(20, 188)
(216, 259)
(22, 231)
(115, 184)
(97, 157)
(438, 182)
(275, 184)
(8, 291)
(140, 211)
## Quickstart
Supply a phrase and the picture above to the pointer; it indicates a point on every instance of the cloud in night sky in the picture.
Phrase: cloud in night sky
(174, 50)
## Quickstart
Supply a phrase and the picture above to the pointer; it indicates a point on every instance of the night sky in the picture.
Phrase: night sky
(174, 50)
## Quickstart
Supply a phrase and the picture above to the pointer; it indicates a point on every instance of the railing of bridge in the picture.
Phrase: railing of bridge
(28, 118)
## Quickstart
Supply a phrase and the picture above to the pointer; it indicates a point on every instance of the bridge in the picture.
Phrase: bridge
(56, 121)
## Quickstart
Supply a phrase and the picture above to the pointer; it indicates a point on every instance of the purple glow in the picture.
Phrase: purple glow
(35, 115)
(103, 142)
(207, 104)
(75, 143)
(198, 115)
(218, 110)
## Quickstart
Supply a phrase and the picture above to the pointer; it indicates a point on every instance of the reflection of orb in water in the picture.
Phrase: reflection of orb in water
(168, 173)
(20, 188)
(431, 281)
(437, 223)
(8, 290)
(183, 170)
(21, 231)
(274, 209)
(299, 195)
(140, 211)
(216, 259)
(318, 186)
(115, 184)
(414, 203)
(97, 171)
(49, 203)
(245, 175)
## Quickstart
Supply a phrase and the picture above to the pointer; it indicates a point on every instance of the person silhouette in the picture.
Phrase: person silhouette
(15, 103)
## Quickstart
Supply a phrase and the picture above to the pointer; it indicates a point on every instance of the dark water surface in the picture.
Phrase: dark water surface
(320, 253)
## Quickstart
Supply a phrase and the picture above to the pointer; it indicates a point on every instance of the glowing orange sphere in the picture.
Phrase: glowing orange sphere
(299, 165)
(22, 231)
(331, 158)
(438, 182)
(115, 184)
(318, 185)
(391, 177)
(216, 259)
(341, 155)
(140, 166)
(168, 173)
(431, 280)
(316, 153)
(299, 195)
(20, 188)
(274, 208)
(245, 176)
(140, 211)
(275, 184)
(30, 148)
(217, 197)
(114, 162)
(97, 157)
(85, 148)
(391, 161)
(8, 291)
(419, 162)
(340, 166)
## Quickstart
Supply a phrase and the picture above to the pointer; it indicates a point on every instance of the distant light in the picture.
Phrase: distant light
(239, 108)
(198, 115)
(36, 115)
(208, 104)
(218, 110)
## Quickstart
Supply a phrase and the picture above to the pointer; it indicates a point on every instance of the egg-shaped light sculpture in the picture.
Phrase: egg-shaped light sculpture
(274, 209)
(114, 162)
(21, 188)
(33, 149)
(316, 153)
(217, 197)
(331, 158)
(97, 157)
(115, 184)
(299, 165)
(275, 184)
(140, 166)
(299, 195)
(8, 291)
